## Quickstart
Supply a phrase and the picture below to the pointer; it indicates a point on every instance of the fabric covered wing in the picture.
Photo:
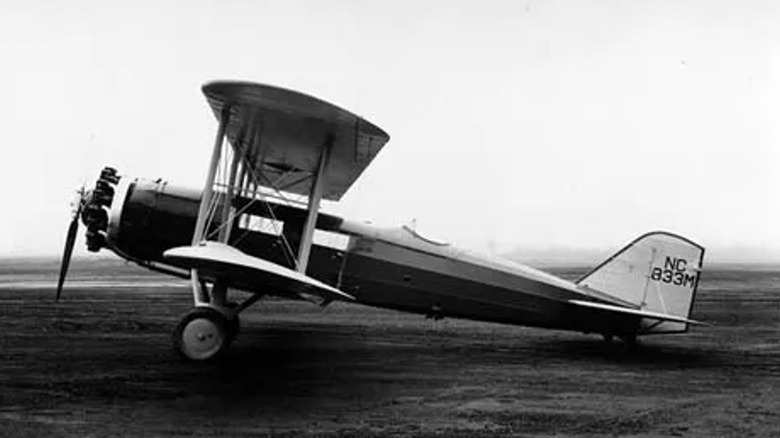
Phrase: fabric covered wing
(641, 313)
(219, 261)
(282, 133)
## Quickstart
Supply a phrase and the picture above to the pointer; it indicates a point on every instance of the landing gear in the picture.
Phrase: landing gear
(204, 334)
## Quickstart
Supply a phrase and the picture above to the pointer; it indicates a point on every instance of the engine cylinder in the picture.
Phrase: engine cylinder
(96, 209)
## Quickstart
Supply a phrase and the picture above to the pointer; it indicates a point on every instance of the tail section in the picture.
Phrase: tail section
(658, 272)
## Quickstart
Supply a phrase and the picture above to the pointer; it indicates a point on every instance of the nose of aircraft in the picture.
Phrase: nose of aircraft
(70, 240)
(96, 205)
(92, 207)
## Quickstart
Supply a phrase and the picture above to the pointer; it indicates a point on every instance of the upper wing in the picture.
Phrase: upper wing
(282, 132)
(219, 261)
(643, 313)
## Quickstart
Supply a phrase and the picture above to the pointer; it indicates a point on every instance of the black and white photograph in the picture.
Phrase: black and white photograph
(267, 218)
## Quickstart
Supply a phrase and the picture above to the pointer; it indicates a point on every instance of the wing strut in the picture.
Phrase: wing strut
(199, 294)
(208, 188)
(315, 196)
(226, 224)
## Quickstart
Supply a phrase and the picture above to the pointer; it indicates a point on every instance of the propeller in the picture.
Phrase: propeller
(70, 241)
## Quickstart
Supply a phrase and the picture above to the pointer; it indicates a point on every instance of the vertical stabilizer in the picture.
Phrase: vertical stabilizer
(658, 272)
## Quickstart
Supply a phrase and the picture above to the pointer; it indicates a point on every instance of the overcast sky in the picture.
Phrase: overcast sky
(536, 124)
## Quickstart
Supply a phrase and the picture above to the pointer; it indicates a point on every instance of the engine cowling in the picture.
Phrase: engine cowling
(138, 218)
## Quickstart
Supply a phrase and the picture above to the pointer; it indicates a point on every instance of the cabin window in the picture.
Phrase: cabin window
(426, 239)
(261, 224)
(331, 240)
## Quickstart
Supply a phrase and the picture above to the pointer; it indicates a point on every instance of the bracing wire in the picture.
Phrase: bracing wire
(255, 179)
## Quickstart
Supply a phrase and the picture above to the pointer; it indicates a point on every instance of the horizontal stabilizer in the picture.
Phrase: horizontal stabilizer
(219, 261)
(642, 313)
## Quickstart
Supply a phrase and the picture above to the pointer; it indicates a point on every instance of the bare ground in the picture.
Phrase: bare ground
(99, 363)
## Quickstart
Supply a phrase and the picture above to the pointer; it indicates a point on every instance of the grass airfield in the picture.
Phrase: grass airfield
(99, 363)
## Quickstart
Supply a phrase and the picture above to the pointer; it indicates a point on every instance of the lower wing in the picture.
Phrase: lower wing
(219, 261)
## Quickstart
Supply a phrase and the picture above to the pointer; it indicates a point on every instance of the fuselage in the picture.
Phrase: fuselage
(393, 268)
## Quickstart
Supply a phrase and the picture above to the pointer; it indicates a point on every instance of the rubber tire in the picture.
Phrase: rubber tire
(219, 321)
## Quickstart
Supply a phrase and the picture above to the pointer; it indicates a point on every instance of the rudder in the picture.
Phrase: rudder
(657, 272)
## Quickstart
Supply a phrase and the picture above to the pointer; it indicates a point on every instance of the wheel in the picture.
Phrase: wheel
(203, 334)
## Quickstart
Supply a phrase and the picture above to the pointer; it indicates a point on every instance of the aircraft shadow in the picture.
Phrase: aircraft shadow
(646, 353)
(281, 367)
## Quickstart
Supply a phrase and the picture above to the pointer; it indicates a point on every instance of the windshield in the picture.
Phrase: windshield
(417, 235)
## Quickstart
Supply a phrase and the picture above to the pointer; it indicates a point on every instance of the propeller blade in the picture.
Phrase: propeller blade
(70, 240)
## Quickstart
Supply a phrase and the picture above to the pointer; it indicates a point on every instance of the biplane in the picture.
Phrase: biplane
(256, 230)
